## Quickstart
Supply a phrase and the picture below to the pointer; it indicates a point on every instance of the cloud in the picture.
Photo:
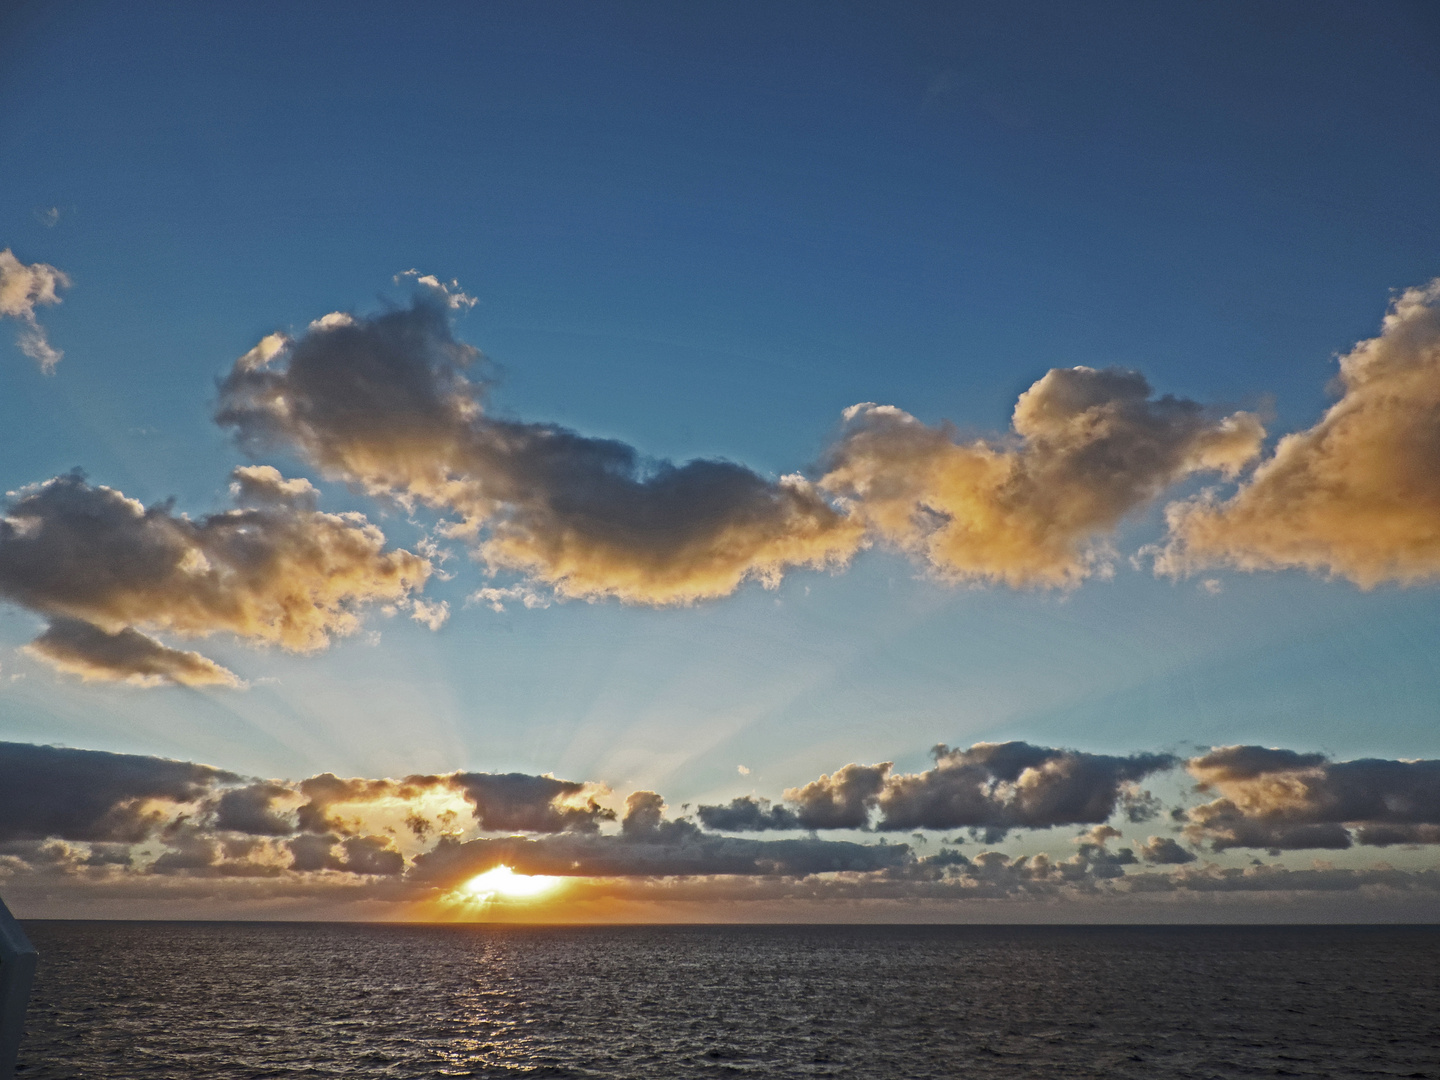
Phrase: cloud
(100, 566)
(840, 800)
(1283, 800)
(991, 788)
(22, 289)
(51, 792)
(1357, 495)
(748, 814)
(372, 855)
(78, 648)
(1088, 447)
(996, 787)
(252, 810)
(672, 852)
(518, 802)
(392, 404)
(95, 826)
(1165, 851)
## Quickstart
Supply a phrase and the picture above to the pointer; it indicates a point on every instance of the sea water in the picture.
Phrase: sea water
(251, 1000)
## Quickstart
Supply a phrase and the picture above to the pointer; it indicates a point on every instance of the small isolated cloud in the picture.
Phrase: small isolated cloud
(102, 568)
(496, 599)
(1087, 448)
(23, 289)
(1357, 495)
(454, 297)
(49, 216)
(1284, 800)
(390, 404)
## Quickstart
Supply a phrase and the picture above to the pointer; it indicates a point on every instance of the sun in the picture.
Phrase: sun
(502, 881)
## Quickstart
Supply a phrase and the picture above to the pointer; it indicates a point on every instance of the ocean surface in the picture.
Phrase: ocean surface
(247, 1000)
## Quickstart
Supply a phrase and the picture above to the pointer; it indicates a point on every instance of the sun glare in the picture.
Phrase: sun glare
(502, 881)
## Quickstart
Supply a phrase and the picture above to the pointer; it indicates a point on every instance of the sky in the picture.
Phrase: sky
(841, 462)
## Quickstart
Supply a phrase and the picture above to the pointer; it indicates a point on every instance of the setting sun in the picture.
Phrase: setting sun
(502, 881)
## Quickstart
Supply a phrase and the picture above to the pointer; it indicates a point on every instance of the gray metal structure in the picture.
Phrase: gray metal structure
(17, 970)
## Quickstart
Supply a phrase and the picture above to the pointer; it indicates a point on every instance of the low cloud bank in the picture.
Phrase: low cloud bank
(84, 823)
(103, 569)
(991, 788)
(1282, 800)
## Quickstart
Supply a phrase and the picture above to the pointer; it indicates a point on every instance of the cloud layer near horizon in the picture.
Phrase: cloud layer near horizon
(103, 568)
(98, 824)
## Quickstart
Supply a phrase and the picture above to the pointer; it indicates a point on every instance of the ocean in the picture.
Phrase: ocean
(129, 1000)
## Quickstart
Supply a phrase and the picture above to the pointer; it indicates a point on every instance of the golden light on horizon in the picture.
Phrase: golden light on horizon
(503, 881)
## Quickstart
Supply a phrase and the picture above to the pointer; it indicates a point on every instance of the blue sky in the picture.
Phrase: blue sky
(705, 231)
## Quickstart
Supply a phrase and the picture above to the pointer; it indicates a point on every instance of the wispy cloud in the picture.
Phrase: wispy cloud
(24, 288)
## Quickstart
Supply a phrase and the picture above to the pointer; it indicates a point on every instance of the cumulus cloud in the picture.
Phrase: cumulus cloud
(518, 802)
(1087, 448)
(991, 788)
(22, 289)
(393, 404)
(51, 792)
(1357, 495)
(1281, 799)
(102, 567)
(88, 824)
(1165, 851)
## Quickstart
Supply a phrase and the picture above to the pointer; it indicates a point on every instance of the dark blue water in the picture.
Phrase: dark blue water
(223, 1000)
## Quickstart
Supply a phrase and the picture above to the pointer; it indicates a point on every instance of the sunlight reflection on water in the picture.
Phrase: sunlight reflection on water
(129, 1000)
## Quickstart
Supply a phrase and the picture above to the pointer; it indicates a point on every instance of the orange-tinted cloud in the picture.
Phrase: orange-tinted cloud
(1357, 495)
(1088, 447)
(22, 289)
(103, 568)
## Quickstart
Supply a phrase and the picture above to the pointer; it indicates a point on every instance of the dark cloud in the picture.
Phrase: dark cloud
(391, 404)
(251, 810)
(375, 856)
(991, 788)
(49, 792)
(1281, 800)
(665, 852)
(79, 648)
(840, 800)
(1164, 851)
(1088, 447)
(101, 566)
(748, 814)
(518, 802)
